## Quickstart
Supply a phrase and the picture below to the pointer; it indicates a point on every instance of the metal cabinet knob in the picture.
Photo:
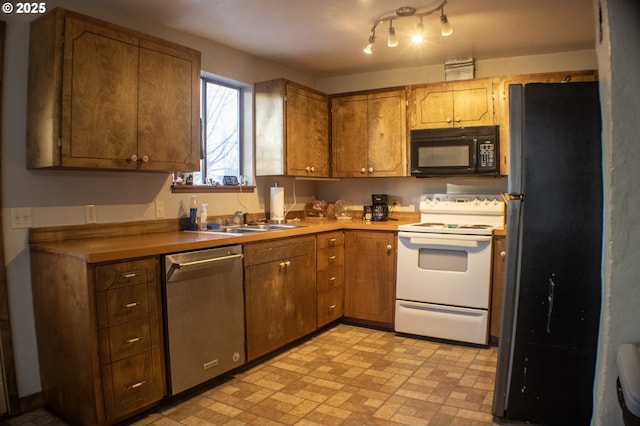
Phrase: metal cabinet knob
(145, 158)
(370, 169)
(389, 248)
(363, 170)
(503, 253)
(134, 158)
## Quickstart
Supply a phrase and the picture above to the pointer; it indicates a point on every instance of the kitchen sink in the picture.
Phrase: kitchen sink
(250, 228)
(260, 227)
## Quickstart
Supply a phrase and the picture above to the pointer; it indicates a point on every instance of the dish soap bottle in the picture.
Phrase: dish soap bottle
(203, 217)
(193, 214)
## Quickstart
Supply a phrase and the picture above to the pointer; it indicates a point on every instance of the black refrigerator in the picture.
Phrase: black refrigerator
(551, 299)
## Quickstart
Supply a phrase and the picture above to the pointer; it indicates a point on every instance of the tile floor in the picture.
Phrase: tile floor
(346, 375)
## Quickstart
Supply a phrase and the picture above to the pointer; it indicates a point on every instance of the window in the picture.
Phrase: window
(221, 132)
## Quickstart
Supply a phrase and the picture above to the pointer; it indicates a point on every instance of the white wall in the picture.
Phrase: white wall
(58, 197)
(618, 61)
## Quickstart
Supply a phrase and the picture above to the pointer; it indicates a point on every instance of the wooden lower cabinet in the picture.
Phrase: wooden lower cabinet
(499, 252)
(370, 276)
(330, 276)
(99, 336)
(280, 293)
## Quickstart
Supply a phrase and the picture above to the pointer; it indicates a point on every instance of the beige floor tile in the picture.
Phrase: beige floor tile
(345, 375)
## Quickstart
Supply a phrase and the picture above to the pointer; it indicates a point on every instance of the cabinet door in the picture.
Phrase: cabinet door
(349, 135)
(370, 266)
(473, 103)
(307, 133)
(280, 303)
(387, 134)
(433, 106)
(100, 88)
(168, 113)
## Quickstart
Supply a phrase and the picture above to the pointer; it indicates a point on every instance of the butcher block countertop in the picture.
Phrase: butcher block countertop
(95, 244)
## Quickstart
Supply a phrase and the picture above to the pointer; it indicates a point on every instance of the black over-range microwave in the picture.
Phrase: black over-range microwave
(461, 151)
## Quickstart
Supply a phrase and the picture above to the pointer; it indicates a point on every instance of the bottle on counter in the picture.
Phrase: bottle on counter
(203, 217)
(193, 214)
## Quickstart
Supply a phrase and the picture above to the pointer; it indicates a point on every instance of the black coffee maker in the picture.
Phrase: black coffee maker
(380, 208)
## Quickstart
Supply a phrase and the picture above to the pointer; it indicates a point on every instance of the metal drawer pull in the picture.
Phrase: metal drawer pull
(129, 275)
(332, 278)
(130, 305)
(332, 259)
(134, 340)
(332, 242)
(332, 307)
(136, 385)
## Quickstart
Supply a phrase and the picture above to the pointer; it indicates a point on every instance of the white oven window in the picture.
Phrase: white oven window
(443, 260)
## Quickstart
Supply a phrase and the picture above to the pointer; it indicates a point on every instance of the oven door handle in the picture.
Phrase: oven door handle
(422, 239)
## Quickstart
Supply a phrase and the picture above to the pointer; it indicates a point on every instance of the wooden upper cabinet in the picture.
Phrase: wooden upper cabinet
(292, 130)
(105, 97)
(369, 134)
(453, 104)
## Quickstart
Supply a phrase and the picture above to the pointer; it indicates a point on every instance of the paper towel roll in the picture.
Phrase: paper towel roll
(277, 204)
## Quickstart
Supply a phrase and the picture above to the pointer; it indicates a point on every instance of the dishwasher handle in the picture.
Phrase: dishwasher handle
(206, 261)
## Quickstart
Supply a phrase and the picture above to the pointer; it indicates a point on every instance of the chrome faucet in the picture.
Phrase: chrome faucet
(238, 217)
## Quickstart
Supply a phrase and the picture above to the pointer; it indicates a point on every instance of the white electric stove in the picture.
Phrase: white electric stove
(444, 267)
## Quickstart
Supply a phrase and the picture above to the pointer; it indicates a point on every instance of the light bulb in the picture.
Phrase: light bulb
(446, 28)
(392, 41)
(368, 50)
(417, 37)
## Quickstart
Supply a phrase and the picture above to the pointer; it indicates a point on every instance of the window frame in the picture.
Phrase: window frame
(201, 186)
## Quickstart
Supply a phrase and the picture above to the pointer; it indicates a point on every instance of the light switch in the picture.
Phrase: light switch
(21, 218)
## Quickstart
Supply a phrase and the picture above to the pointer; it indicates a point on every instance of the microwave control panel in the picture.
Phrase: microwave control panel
(487, 155)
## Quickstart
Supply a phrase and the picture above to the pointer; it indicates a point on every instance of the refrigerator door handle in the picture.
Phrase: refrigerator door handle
(552, 288)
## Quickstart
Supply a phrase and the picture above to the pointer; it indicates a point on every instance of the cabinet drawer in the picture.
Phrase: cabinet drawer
(330, 239)
(133, 383)
(330, 278)
(330, 257)
(269, 251)
(330, 305)
(125, 340)
(125, 304)
(125, 273)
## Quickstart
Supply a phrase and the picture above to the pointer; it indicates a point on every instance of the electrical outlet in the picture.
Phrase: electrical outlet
(21, 218)
(90, 213)
(159, 208)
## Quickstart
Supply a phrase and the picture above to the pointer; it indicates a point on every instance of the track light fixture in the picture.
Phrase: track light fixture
(408, 12)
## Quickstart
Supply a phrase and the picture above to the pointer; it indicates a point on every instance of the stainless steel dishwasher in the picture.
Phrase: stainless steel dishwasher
(204, 315)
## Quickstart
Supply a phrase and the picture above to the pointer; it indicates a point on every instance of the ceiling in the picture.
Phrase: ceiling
(325, 37)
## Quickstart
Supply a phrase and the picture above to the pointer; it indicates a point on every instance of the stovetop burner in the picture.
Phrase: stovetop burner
(473, 226)
(458, 214)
